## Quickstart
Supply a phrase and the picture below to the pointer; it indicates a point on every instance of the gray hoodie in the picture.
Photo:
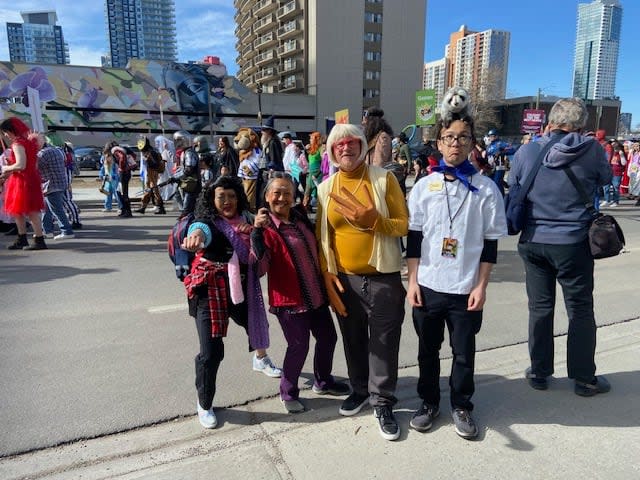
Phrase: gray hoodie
(556, 213)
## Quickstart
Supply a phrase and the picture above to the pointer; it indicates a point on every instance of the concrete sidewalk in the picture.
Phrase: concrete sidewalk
(524, 433)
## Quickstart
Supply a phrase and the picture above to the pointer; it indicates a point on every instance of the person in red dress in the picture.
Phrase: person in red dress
(23, 189)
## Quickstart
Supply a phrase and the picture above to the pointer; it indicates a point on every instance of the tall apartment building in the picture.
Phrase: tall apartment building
(597, 45)
(477, 61)
(38, 39)
(435, 77)
(144, 29)
(351, 55)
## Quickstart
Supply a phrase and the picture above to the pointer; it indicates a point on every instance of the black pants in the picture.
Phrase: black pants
(211, 352)
(371, 333)
(463, 325)
(572, 267)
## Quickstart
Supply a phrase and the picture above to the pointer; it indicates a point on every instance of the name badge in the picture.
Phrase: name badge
(449, 247)
(436, 186)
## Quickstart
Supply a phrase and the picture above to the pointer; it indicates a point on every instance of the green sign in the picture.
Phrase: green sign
(425, 107)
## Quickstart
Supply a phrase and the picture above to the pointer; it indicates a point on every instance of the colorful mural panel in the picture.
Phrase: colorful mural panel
(147, 97)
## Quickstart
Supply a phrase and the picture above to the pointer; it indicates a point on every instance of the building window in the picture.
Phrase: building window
(373, 56)
(371, 75)
(372, 37)
(371, 92)
(373, 17)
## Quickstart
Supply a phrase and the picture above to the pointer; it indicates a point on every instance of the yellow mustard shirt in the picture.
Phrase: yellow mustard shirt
(353, 247)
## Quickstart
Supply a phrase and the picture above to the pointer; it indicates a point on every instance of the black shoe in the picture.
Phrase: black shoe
(76, 226)
(595, 386)
(336, 389)
(140, 210)
(160, 211)
(535, 381)
(464, 424)
(423, 418)
(353, 404)
(387, 423)
(38, 244)
(19, 243)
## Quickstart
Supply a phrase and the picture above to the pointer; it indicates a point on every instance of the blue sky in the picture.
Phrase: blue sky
(541, 53)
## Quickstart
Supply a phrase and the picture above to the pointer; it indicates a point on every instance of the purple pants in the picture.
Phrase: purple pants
(296, 328)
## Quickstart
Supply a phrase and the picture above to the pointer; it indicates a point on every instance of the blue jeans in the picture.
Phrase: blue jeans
(108, 201)
(612, 191)
(55, 208)
(572, 267)
(498, 178)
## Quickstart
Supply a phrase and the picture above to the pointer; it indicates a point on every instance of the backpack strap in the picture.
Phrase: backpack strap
(526, 186)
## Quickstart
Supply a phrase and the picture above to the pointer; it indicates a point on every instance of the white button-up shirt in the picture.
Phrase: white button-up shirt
(479, 216)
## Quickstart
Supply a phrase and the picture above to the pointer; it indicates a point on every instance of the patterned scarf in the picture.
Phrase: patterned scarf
(258, 324)
(461, 172)
(212, 275)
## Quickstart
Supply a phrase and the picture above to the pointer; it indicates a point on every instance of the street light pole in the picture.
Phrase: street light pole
(259, 92)
(210, 115)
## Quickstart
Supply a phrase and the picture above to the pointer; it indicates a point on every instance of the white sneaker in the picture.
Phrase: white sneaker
(107, 210)
(266, 366)
(604, 203)
(64, 236)
(207, 417)
(613, 204)
(47, 235)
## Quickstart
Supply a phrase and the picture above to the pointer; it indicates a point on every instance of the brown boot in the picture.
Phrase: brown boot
(19, 243)
(38, 244)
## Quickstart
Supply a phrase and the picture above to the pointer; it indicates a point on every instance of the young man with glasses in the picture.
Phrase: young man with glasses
(456, 216)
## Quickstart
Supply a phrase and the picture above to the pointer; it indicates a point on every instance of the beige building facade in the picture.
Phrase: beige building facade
(349, 55)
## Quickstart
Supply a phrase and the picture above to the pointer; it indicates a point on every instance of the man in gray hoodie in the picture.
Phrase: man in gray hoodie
(554, 245)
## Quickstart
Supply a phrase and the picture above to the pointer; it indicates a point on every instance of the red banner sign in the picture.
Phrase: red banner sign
(532, 121)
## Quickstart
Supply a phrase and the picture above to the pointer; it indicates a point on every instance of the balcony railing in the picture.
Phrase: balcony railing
(265, 40)
(266, 74)
(289, 10)
(265, 57)
(290, 29)
(264, 6)
(264, 23)
(289, 48)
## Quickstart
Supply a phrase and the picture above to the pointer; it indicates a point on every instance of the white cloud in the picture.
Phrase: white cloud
(203, 27)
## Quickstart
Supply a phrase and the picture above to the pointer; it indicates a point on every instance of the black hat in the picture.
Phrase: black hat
(287, 135)
(143, 144)
(269, 124)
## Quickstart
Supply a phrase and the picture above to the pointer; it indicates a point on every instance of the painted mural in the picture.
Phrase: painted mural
(94, 103)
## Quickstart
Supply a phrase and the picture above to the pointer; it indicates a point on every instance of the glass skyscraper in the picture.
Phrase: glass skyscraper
(597, 47)
(144, 29)
(38, 39)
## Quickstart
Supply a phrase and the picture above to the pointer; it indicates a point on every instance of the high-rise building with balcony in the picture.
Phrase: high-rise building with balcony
(38, 39)
(476, 61)
(349, 55)
(597, 46)
(144, 29)
(435, 77)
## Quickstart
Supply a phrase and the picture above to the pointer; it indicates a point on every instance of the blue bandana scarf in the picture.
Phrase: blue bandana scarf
(462, 172)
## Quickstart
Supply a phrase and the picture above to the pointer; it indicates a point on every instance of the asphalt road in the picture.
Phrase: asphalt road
(95, 336)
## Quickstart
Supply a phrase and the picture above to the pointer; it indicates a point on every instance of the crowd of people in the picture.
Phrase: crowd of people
(248, 214)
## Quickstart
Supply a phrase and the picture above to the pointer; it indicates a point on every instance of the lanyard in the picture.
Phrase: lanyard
(455, 214)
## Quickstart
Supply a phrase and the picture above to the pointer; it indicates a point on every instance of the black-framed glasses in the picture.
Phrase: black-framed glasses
(463, 140)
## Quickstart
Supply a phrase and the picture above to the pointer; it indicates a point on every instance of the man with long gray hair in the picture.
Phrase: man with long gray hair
(554, 245)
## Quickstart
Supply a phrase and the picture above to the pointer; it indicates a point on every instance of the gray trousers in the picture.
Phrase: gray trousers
(371, 333)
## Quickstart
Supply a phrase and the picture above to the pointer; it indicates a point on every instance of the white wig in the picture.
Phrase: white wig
(344, 130)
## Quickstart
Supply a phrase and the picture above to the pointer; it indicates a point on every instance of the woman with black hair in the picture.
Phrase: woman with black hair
(379, 134)
(223, 282)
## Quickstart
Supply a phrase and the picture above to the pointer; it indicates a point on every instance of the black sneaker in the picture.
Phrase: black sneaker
(76, 226)
(535, 381)
(387, 423)
(353, 404)
(336, 389)
(465, 426)
(423, 418)
(595, 386)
